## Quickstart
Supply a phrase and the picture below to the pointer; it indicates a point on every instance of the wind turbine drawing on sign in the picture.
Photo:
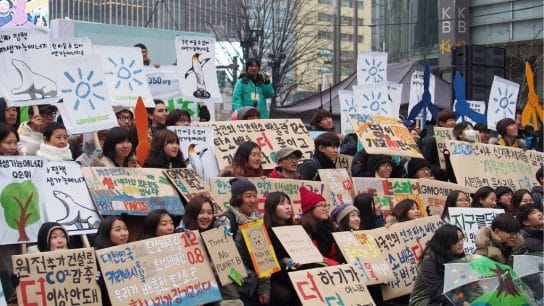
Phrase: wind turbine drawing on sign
(425, 103)
(462, 108)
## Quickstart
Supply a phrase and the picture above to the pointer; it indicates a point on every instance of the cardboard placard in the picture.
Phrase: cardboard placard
(170, 270)
(374, 268)
(135, 191)
(341, 186)
(64, 277)
(297, 244)
(260, 249)
(270, 134)
(384, 135)
(344, 161)
(434, 193)
(536, 161)
(224, 254)
(220, 190)
(442, 134)
(337, 285)
(477, 165)
(471, 220)
(187, 182)
(403, 243)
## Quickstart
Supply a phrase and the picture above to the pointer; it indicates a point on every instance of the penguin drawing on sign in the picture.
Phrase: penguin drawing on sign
(196, 164)
(197, 70)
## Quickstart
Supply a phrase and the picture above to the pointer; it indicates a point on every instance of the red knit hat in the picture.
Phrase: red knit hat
(308, 199)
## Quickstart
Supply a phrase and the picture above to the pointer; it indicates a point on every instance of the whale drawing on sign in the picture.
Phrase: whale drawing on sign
(32, 83)
(77, 215)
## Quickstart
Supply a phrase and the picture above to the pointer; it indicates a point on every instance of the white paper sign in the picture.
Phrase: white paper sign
(395, 97)
(124, 75)
(416, 91)
(71, 47)
(471, 220)
(373, 98)
(86, 106)
(347, 106)
(502, 101)
(163, 82)
(196, 64)
(26, 76)
(477, 106)
(371, 67)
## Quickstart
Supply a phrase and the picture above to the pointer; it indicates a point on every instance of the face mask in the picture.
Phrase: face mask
(470, 135)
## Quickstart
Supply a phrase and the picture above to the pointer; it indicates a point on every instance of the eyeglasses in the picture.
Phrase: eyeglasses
(425, 169)
(291, 158)
(124, 118)
(49, 114)
(323, 206)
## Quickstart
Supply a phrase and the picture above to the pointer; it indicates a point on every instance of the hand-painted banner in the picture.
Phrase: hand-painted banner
(26, 77)
(477, 165)
(196, 64)
(189, 185)
(388, 192)
(260, 249)
(220, 189)
(471, 220)
(371, 67)
(135, 191)
(434, 193)
(535, 160)
(63, 277)
(224, 254)
(395, 97)
(370, 261)
(72, 47)
(23, 13)
(67, 200)
(347, 106)
(373, 99)
(21, 198)
(86, 106)
(442, 134)
(124, 75)
(416, 92)
(403, 243)
(384, 135)
(477, 106)
(270, 134)
(344, 161)
(163, 82)
(167, 270)
(337, 285)
(341, 186)
(297, 244)
(503, 98)
(196, 145)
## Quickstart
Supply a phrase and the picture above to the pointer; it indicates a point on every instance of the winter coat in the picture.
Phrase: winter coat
(536, 192)
(533, 239)
(249, 93)
(107, 162)
(490, 245)
(429, 283)
(29, 140)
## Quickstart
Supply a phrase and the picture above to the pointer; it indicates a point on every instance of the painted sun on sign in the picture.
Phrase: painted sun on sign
(375, 102)
(125, 73)
(373, 70)
(84, 88)
(504, 100)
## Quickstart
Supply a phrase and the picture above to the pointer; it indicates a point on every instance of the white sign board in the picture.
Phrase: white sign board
(502, 101)
(371, 67)
(477, 106)
(373, 99)
(71, 47)
(416, 92)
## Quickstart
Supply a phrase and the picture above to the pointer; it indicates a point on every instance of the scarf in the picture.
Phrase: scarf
(242, 218)
(54, 153)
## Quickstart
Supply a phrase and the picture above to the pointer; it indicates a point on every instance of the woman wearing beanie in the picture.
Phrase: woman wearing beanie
(51, 237)
(317, 223)
(242, 210)
(347, 217)
(508, 131)
(419, 168)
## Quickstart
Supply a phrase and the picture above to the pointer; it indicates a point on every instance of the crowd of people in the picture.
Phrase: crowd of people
(518, 231)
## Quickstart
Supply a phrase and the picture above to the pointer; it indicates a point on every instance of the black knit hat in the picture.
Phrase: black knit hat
(375, 160)
(414, 165)
(240, 185)
(44, 234)
(503, 124)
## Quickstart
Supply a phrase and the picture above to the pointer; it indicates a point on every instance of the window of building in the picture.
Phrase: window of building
(324, 1)
(324, 52)
(324, 69)
(324, 35)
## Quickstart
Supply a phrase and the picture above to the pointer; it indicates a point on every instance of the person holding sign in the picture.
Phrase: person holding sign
(9, 114)
(247, 161)
(198, 215)
(324, 157)
(370, 213)
(456, 198)
(484, 197)
(347, 217)
(445, 246)
(287, 160)
(55, 143)
(405, 210)
(30, 133)
(464, 131)
(252, 89)
(157, 223)
(117, 150)
(8, 140)
(157, 116)
(508, 131)
(242, 210)
(178, 117)
(165, 152)
(500, 241)
(51, 237)
(504, 197)
(532, 221)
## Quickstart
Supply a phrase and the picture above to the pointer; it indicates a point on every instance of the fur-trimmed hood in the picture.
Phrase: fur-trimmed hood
(490, 245)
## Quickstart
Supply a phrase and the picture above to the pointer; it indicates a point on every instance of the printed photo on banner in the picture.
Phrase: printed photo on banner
(416, 92)
(471, 220)
(371, 262)
(503, 98)
(297, 244)
(22, 198)
(25, 13)
(124, 75)
(371, 67)
(260, 249)
(70, 47)
(26, 77)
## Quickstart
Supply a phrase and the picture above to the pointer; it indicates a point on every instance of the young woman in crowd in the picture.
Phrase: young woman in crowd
(318, 224)
(165, 153)
(247, 161)
(484, 197)
(519, 198)
(464, 131)
(157, 223)
(278, 212)
(117, 150)
(418, 168)
(371, 214)
(456, 198)
(504, 197)
(178, 117)
(405, 210)
(55, 143)
(8, 140)
(242, 210)
(52, 237)
(198, 214)
(9, 114)
(445, 246)
(347, 217)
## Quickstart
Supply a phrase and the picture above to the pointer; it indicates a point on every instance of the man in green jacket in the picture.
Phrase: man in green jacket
(252, 89)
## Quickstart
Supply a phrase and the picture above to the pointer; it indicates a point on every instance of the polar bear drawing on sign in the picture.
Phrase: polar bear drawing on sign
(33, 84)
(77, 215)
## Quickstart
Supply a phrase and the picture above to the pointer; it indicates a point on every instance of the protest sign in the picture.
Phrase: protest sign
(373, 99)
(196, 63)
(297, 244)
(62, 277)
(371, 262)
(476, 165)
(371, 67)
(134, 191)
(442, 135)
(416, 92)
(224, 254)
(189, 185)
(341, 187)
(337, 285)
(344, 161)
(124, 75)
(434, 193)
(260, 249)
(220, 190)
(24, 13)
(86, 106)
(70, 47)
(163, 82)
(167, 270)
(477, 106)
(26, 77)
(395, 97)
(347, 106)
(67, 199)
(270, 134)
(471, 220)
(21, 198)
(536, 161)
(403, 243)
(196, 145)
(502, 101)
(384, 135)
(388, 192)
